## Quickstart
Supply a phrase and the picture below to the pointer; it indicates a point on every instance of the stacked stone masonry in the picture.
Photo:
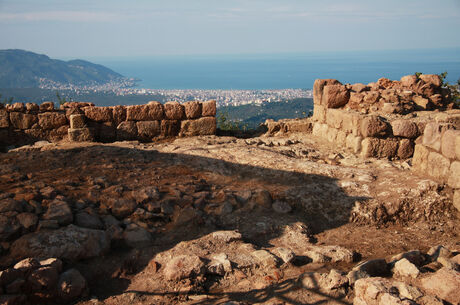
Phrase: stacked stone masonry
(383, 119)
(76, 121)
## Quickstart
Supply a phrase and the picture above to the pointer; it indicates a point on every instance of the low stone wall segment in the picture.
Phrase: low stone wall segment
(77, 121)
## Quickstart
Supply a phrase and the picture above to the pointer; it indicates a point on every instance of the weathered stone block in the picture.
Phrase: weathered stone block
(169, 128)
(199, 127)
(456, 199)
(356, 98)
(408, 80)
(147, 130)
(46, 106)
(300, 125)
(335, 96)
(80, 135)
(58, 134)
(193, 110)
(404, 128)
(151, 112)
(319, 113)
(457, 147)
(77, 121)
(51, 120)
(454, 175)
(405, 149)
(354, 143)
(341, 138)
(438, 166)
(334, 118)
(448, 143)
(118, 114)
(433, 79)
(374, 126)
(331, 135)
(420, 159)
(432, 134)
(358, 87)
(421, 102)
(4, 119)
(174, 111)
(98, 114)
(379, 148)
(351, 122)
(320, 130)
(106, 132)
(16, 107)
(21, 120)
(209, 108)
(371, 97)
(127, 130)
(318, 87)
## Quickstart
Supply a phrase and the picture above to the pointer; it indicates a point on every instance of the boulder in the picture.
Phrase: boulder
(174, 111)
(122, 207)
(405, 149)
(71, 285)
(358, 87)
(433, 79)
(135, 236)
(208, 108)
(409, 81)
(151, 112)
(335, 96)
(448, 143)
(404, 128)
(46, 106)
(404, 267)
(22, 120)
(371, 97)
(59, 210)
(444, 284)
(198, 127)
(98, 114)
(421, 102)
(86, 220)
(51, 120)
(69, 242)
(193, 110)
(379, 148)
(80, 135)
(4, 119)
(264, 258)
(183, 267)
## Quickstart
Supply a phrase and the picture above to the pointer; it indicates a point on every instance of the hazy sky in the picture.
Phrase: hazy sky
(84, 28)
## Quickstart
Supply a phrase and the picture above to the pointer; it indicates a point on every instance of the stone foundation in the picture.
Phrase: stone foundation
(24, 124)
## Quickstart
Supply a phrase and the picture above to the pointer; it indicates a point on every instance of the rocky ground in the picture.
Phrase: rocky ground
(221, 220)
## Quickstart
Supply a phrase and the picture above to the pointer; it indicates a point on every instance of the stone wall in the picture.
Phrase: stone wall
(437, 153)
(382, 119)
(24, 124)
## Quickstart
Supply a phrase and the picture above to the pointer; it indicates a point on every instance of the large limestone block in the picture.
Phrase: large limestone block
(22, 121)
(4, 119)
(331, 134)
(448, 143)
(302, 125)
(199, 127)
(354, 143)
(457, 147)
(351, 122)
(405, 149)
(318, 87)
(319, 113)
(150, 112)
(169, 128)
(127, 130)
(420, 159)
(432, 134)
(341, 138)
(379, 148)
(454, 175)
(77, 121)
(356, 98)
(98, 114)
(46, 106)
(438, 166)
(374, 126)
(174, 111)
(320, 130)
(193, 109)
(404, 128)
(32, 108)
(371, 97)
(334, 118)
(118, 114)
(335, 96)
(147, 130)
(422, 102)
(209, 108)
(69, 242)
(51, 120)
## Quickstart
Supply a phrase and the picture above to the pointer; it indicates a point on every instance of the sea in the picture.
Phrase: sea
(281, 71)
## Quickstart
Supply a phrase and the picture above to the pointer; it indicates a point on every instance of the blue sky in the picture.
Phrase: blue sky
(84, 28)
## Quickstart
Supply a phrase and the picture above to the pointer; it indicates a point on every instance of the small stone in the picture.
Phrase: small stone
(71, 285)
(439, 251)
(444, 284)
(227, 236)
(404, 267)
(183, 267)
(59, 210)
(27, 264)
(286, 255)
(264, 258)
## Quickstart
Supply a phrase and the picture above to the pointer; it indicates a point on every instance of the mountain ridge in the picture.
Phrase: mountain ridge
(25, 69)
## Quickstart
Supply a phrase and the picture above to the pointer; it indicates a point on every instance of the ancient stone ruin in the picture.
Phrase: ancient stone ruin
(76, 121)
